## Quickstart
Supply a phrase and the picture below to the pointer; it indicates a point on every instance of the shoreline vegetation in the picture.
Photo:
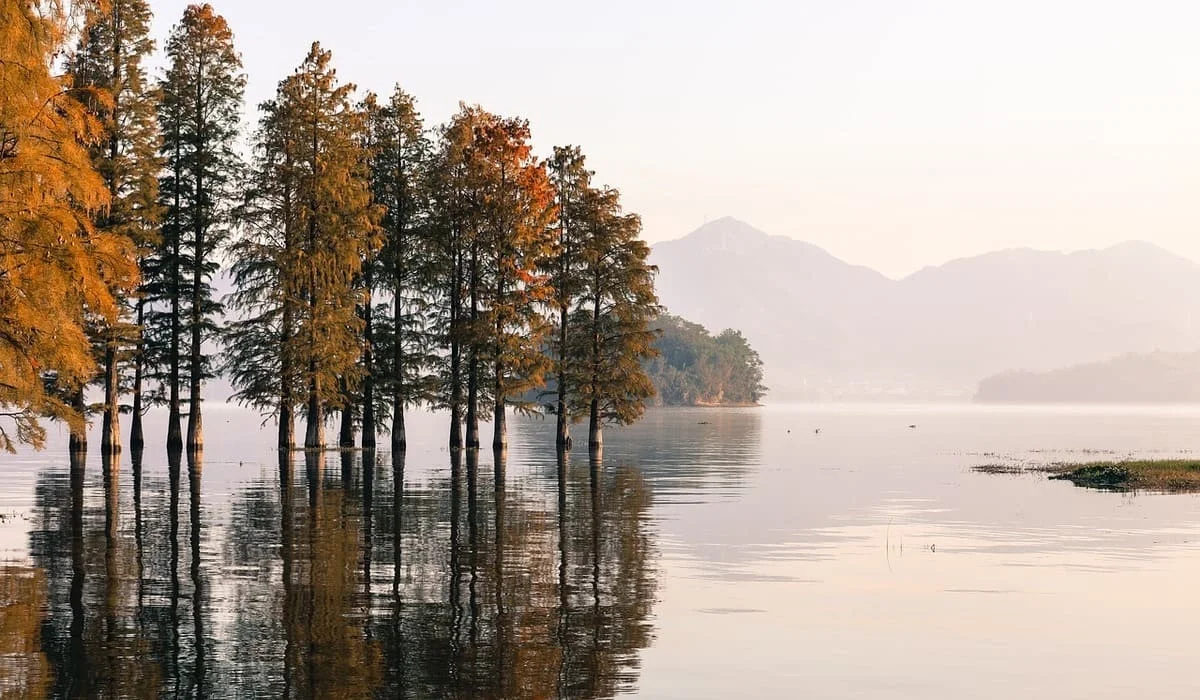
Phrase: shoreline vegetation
(692, 367)
(1155, 475)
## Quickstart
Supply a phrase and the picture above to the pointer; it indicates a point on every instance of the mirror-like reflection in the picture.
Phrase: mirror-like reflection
(314, 581)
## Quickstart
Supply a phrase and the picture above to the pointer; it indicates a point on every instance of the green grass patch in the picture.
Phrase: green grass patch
(1168, 475)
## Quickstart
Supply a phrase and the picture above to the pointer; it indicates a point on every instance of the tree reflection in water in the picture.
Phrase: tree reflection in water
(327, 583)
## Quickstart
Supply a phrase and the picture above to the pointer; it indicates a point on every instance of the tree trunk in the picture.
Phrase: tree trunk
(399, 442)
(473, 402)
(287, 426)
(287, 403)
(314, 436)
(563, 435)
(595, 435)
(195, 436)
(137, 439)
(473, 359)
(110, 435)
(78, 440)
(346, 432)
(368, 403)
(499, 424)
(174, 434)
(595, 438)
(456, 397)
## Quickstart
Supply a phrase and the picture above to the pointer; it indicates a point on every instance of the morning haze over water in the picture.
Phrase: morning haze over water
(524, 351)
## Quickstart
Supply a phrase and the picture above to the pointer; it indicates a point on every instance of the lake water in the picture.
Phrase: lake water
(709, 554)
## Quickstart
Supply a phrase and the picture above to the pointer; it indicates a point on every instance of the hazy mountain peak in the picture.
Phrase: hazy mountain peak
(826, 327)
(732, 235)
(1142, 250)
(724, 232)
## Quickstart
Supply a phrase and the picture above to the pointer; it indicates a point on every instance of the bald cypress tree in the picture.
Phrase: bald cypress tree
(518, 208)
(260, 345)
(107, 67)
(313, 165)
(610, 336)
(452, 238)
(572, 182)
(199, 117)
(494, 204)
(400, 346)
(56, 266)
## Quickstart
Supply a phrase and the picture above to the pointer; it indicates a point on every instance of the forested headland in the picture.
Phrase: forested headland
(694, 368)
(379, 263)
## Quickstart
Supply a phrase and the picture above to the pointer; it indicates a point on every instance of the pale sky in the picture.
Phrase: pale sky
(894, 134)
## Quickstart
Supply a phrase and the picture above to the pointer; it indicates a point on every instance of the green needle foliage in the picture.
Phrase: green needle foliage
(107, 69)
(199, 117)
(400, 341)
(611, 338)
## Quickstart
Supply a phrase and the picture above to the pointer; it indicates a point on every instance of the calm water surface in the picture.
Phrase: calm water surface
(710, 553)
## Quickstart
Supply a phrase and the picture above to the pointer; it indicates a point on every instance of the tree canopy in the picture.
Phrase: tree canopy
(694, 368)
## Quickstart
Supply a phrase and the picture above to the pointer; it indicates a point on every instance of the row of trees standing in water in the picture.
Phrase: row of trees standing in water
(377, 264)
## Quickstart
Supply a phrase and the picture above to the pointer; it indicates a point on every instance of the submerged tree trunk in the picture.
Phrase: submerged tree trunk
(78, 440)
(473, 360)
(456, 395)
(368, 403)
(562, 436)
(137, 439)
(500, 429)
(174, 434)
(399, 439)
(110, 435)
(287, 403)
(287, 426)
(595, 438)
(314, 435)
(195, 437)
(346, 431)
(595, 435)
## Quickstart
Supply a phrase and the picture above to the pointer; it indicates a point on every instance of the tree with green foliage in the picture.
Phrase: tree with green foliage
(693, 368)
(572, 182)
(199, 117)
(399, 348)
(611, 338)
(452, 235)
(107, 68)
(310, 226)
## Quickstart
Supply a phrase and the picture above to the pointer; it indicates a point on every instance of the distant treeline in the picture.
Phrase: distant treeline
(694, 368)
(378, 264)
(1158, 377)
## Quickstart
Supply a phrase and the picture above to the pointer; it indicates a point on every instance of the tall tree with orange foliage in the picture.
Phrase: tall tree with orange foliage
(56, 266)
(299, 268)
(494, 205)
(518, 211)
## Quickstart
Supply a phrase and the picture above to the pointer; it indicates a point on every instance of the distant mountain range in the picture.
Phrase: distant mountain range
(827, 329)
(1158, 377)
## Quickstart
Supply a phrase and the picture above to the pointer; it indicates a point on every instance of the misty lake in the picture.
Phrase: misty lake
(711, 553)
